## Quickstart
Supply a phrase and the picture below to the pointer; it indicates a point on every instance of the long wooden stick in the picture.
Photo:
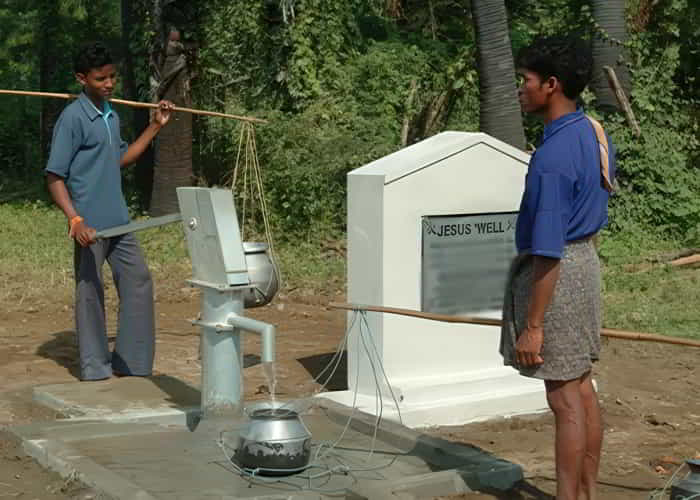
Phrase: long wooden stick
(136, 104)
(685, 261)
(606, 332)
(622, 100)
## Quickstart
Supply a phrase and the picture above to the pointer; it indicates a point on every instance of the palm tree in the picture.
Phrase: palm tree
(173, 152)
(611, 33)
(499, 108)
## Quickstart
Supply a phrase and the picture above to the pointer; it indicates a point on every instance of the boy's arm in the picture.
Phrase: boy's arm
(160, 118)
(82, 233)
(546, 273)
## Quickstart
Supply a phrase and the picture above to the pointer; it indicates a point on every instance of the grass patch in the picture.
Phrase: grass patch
(36, 256)
(36, 260)
(310, 268)
(36, 267)
(641, 294)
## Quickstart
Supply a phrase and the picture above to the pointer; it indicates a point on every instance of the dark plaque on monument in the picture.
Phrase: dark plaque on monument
(465, 261)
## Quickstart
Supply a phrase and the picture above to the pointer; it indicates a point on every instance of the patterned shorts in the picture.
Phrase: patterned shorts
(572, 322)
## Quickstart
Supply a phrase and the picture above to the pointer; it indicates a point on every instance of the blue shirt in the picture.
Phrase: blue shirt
(564, 199)
(85, 151)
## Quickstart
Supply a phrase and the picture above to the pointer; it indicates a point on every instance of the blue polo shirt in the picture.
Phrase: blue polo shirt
(85, 151)
(564, 200)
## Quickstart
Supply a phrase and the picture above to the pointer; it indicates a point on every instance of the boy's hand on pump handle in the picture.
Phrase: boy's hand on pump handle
(81, 232)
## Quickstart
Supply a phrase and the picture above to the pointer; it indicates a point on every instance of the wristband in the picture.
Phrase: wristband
(75, 220)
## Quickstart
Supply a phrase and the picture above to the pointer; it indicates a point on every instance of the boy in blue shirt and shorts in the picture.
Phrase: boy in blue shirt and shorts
(84, 179)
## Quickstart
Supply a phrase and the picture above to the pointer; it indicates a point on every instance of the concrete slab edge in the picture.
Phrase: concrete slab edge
(56, 404)
(68, 463)
(74, 412)
(500, 474)
(186, 417)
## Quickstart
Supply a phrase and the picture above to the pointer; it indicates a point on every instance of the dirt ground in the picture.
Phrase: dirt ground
(650, 395)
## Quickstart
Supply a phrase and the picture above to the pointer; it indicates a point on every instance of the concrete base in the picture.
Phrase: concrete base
(155, 455)
(121, 398)
(426, 402)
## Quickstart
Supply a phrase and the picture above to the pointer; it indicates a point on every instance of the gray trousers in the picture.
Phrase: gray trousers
(135, 343)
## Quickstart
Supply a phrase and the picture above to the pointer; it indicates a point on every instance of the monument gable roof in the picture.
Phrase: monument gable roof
(431, 151)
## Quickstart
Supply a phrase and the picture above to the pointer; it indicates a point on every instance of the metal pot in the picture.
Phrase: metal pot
(262, 274)
(274, 442)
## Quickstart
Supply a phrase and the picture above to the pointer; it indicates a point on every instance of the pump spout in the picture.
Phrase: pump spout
(265, 330)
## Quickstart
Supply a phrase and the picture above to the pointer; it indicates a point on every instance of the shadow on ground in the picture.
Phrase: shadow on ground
(62, 348)
(521, 491)
(327, 371)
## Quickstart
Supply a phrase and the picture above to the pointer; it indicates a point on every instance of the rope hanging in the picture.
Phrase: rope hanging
(247, 187)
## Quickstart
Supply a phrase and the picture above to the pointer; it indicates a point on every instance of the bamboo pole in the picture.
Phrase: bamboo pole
(136, 104)
(606, 332)
(685, 261)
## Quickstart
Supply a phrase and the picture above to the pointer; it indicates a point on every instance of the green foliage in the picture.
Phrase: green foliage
(334, 78)
(305, 158)
(19, 127)
(33, 33)
(660, 186)
(530, 18)
(657, 173)
(334, 83)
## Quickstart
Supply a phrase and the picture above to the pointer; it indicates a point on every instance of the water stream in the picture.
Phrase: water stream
(271, 376)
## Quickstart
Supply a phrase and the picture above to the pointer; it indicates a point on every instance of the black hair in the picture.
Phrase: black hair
(91, 55)
(569, 59)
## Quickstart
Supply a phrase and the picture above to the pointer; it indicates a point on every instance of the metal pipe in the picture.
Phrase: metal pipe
(265, 330)
(220, 349)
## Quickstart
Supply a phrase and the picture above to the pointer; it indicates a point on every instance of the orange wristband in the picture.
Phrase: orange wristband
(75, 220)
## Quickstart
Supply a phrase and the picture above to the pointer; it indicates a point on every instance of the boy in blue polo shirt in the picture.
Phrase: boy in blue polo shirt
(84, 179)
(552, 314)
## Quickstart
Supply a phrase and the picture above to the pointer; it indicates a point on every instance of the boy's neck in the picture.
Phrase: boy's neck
(557, 108)
(97, 101)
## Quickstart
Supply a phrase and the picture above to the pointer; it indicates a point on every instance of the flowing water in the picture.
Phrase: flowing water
(271, 376)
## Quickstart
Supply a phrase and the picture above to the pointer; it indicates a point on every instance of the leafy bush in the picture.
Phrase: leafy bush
(337, 102)
(660, 183)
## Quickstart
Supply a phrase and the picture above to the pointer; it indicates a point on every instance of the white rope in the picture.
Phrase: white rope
(252, 192)
(263, 204)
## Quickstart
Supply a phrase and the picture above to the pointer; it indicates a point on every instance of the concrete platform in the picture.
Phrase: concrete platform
(132, 451)
(121, 398)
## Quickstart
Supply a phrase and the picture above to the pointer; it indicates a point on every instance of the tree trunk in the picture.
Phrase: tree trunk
(393, 9)
(48, 66)
(500, 114)
(143, 173)
(607, 50)
(173, 151)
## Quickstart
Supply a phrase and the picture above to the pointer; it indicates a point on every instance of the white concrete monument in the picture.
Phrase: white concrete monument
(432, 228)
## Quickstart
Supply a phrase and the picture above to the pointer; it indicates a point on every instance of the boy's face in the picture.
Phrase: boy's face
(533, 92)
(99, 82)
